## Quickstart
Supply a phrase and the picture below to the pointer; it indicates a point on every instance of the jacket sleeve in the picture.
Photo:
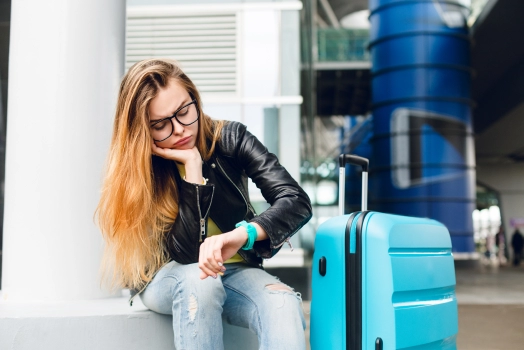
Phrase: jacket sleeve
(290, 207)
(187, 231)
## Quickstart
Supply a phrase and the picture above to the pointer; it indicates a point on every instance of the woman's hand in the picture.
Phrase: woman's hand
(189, 157)
(183, 156)
(217, 249)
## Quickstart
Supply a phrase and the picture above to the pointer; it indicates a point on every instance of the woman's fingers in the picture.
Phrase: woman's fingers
(210, 257)
(183, 156)
(217, 258)
(216, 249)
(167, 153)
(203, 264)
(153, 149)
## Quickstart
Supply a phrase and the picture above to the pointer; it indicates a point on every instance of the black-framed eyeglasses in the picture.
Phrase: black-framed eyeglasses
(186, 115)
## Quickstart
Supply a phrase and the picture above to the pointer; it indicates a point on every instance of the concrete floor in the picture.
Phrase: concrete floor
(491, 307)
(491, 327)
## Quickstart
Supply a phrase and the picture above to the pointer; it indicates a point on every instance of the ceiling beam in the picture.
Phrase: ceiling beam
(329, 13)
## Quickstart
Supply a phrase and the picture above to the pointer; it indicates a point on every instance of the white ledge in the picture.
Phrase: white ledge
(104, 324)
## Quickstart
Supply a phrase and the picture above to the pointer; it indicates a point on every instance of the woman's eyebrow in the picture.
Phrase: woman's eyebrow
(185, 102)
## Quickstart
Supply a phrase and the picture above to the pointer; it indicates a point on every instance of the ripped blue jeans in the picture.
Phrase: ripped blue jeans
(245, 296)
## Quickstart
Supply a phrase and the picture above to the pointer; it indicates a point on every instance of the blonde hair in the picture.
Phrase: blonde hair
(139, 200)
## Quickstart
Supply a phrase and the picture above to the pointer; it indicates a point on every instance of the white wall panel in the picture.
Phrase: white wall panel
(261, 53)
(205, 44)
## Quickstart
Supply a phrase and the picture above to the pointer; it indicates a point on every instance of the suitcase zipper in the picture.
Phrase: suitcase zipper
(354, 282)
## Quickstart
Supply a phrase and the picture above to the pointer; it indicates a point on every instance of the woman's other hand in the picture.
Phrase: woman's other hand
(217, 249)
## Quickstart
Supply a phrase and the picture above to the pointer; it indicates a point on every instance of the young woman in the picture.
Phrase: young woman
(179, 227)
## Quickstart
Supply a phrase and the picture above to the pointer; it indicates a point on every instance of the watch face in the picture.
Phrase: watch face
(428, 147)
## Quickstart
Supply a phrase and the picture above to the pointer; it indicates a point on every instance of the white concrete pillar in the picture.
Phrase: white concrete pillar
(66, 61)
(289, 125)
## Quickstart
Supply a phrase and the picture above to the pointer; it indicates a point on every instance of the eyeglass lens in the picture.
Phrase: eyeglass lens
(185, 116)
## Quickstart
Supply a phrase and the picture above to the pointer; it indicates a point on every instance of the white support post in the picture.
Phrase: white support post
(66, 61)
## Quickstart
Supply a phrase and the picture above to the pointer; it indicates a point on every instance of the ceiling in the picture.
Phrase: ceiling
(342, 8)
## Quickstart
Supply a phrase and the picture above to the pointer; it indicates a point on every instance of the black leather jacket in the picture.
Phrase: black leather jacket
(225, 198)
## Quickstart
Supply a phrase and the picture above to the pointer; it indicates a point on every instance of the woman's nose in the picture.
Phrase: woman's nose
(178, 129)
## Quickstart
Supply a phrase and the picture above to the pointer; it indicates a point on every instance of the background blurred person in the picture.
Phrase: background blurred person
(517, 243)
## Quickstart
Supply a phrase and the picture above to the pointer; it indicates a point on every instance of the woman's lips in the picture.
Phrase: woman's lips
(182, 142)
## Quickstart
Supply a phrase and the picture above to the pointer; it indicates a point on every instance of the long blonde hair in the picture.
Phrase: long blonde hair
(139, 200)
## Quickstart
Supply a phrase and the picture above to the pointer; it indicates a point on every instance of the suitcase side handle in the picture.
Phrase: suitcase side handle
(344, 159)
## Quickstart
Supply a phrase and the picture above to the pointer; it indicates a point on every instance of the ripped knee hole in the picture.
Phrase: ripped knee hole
(193, 307)
(279, 287)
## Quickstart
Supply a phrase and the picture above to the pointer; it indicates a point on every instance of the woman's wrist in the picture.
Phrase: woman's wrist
(249, 234)
(261, 233)
(252, 234)
(194, 172)
(239, 236)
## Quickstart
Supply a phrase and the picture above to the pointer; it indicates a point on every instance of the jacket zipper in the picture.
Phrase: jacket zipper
(145, 286)
(288, 242)
(202, 219)
(177, 245)
(248, 207)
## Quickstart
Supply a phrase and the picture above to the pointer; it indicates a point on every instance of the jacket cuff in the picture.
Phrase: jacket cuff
(267, 248)
(264, 250)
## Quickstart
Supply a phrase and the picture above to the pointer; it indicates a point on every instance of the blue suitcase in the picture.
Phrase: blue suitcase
(382, 281)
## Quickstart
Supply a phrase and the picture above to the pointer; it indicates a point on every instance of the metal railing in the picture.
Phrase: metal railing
(342, 45)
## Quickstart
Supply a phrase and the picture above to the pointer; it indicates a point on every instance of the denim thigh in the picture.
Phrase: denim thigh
(260, 302)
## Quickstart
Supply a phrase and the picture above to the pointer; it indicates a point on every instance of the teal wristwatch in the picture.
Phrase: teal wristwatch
(251, 234)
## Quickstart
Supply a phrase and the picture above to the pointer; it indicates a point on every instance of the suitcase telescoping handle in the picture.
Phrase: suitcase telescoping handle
(356, 160)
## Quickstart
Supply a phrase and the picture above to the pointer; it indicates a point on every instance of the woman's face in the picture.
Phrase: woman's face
(169, 100)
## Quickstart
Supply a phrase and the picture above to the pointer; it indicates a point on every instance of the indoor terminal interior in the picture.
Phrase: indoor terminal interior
(434, 99)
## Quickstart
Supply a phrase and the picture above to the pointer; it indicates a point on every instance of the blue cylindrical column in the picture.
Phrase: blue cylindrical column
(423, 157)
